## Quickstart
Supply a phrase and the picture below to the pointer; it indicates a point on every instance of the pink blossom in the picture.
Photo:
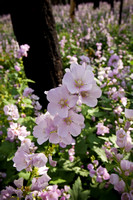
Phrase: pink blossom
(27, 91)
(92, 173)
(39, 160)
(90, 166)
(102, 174)
(113, 61)
(60, 101)
(118, 110)
(89, 97)
(23, 50)
(124, 140)
(71, 124)
(52, 193)
(114, 179)
(46, 129)
(129, 113)
(19, 182)
(16, 131)
(125, 196)
(40, 183)
(22, 160)
(71, 151)
(101, 129)
(84, 59)
(128, 143)
(124, 101)
(12, 111)
(17, 68)
(120, 186)
(71, 158)
(125, 164)
(52, 162)
(78, 79)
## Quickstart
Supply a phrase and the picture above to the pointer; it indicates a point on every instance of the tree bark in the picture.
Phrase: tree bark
(120, 12)
(96, 4)
(34, 24)
(112, 5)
(72, 9)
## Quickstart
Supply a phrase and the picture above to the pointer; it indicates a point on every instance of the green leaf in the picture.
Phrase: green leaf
(131, 62)
(101, 153)
(81, 147)
(77, 192)
(57, 181)
(25, 175)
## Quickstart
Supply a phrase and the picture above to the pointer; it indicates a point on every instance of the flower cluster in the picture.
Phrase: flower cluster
(23, 50)
(61, 122)
(16, 131)
(98, 172)
(11, 111)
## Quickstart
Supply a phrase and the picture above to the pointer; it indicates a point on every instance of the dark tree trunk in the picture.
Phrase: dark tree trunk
(112, 4)
(96, 4)
(34, 24)
(72, 9)
(120, 12)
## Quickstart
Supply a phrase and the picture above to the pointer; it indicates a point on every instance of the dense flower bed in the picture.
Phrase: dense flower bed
(81, 146)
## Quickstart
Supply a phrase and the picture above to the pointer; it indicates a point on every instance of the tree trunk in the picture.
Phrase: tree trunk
(72, 9)
(96, 4)
(120, 12)
(34, 24)
(112, 5)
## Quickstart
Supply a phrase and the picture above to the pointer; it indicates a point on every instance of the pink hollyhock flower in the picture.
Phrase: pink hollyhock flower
(129, 113)
(124, 101)
(90, 166)
(125, 196)
(113, 61)
(40, 183)
(52, 193)
(52, 162)
(46, 129)
(125, 164)
(66, 140)
(17, 131)
(60, 101)
(17, 68)
(114, 179)
(7, 193)
(19, 182)
(78, 79)
(27, 91)
(24, 156)
(118, 110)
(84, 59)
(124, 140)
(12, 111)
(120, 186)
(22, 160)
(72, 124)
(73, 59)
(71, 151)
(92, 173)
(71, 158)
(102, 174)
(131, 194)
(23, 50)
(89, 97)
(101, 129)
(128, 143)
(39, 160)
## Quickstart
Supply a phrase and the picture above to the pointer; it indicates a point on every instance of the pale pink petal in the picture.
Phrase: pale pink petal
(54, 138)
